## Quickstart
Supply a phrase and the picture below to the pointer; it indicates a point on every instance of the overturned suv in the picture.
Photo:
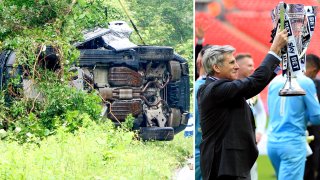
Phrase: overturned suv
(149, 82)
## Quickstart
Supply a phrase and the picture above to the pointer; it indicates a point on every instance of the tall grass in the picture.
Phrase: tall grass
(97, 152)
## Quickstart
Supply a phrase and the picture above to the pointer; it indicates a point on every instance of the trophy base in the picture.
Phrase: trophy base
(292, 92)
(292, 88)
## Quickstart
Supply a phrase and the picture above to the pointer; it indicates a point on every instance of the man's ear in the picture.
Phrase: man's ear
(216, 68)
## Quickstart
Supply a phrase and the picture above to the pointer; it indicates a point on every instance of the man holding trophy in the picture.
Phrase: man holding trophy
(228, 148)
(292, 98)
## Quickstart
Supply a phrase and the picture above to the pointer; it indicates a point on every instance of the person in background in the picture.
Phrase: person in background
(228, 148)
(200, 36)
(201, 79)
(246, 68)
(288, 119)
(312, 170)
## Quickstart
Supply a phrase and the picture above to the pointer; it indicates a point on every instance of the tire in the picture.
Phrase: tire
(161, 53)
(156, 133)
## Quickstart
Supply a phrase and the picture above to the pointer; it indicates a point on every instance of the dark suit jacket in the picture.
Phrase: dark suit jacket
(228, 140)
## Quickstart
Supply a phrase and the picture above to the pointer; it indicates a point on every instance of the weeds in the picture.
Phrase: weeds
(98, 151)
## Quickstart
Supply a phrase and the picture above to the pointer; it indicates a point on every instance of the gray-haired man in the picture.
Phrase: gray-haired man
(228, 148)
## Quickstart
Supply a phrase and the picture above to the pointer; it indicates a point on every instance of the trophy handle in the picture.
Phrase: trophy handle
(303, 52)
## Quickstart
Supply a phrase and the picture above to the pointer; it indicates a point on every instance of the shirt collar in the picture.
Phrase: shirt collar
(213, 78)
(203, 77)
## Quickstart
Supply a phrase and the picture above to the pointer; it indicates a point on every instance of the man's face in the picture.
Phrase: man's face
(246, 66)
(229, 69)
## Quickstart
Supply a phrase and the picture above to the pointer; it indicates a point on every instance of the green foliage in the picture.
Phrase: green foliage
(65, 106)
(164, 22)
(94, 152)
(29, 26)
(128, 123)
(58, 18)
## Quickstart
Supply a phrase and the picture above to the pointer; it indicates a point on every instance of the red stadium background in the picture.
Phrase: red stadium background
(246, 25)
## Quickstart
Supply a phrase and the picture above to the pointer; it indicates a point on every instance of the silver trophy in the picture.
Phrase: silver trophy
(299, 20)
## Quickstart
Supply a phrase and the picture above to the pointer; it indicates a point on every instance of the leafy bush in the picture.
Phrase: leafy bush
(27, 27)
(69, 108)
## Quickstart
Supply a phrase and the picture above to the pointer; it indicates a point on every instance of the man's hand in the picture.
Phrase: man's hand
(199, 33)
(279, 41)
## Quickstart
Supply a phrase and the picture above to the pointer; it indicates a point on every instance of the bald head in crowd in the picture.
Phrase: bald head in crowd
(199, 65)
(246, 65)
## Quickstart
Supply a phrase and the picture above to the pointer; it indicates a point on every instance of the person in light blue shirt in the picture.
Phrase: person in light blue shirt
(201, 80)
(288, 119)
(197, 84)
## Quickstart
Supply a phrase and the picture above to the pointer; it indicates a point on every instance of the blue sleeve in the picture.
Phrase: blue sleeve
(315, 120)
(198, 132)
